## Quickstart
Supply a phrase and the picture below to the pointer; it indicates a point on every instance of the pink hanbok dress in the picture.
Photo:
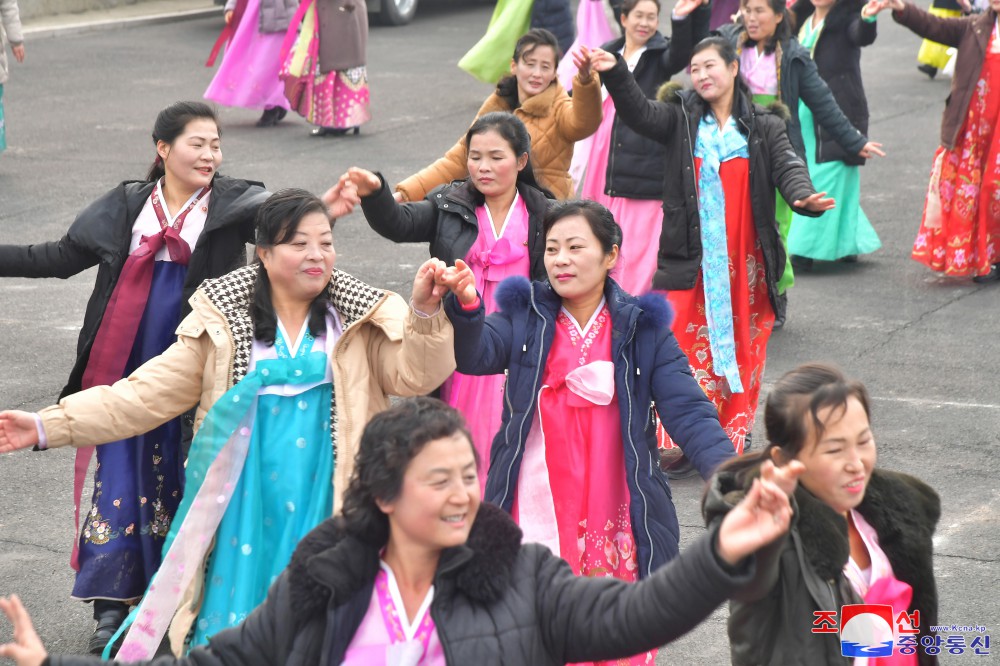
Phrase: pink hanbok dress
(494, 257)
(248, 75)
(640, 219)
(572, 494)
(386, 636)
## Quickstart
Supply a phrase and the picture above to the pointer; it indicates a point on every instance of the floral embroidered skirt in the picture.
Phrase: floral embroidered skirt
(960, 231)
(138, 481)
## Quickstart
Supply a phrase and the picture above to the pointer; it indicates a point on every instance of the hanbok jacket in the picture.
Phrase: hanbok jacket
(770, 620)
(649, 368)
(798, 78)
(10, 33)
(635, 166)
(447, 220)
(673, 120)
(496, 602)
(838, 59)
(101, 234)
(971, 36)
(555, 122)
(385, 350)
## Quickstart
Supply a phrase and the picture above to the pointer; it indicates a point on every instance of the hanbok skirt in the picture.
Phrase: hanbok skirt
(960, 231)
(932, 53)
(640, 219)
(284, 491)
(137, 481)
(840, 232)
(248, 75)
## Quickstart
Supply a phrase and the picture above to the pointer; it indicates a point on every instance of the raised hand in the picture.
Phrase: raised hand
(366, 182)
(600, 60)
(341, 199)
(760, 518)
(17, 431)
(817, 202)
(871, 149)
(683, 8)
(785, 477)
(27, 648)
(582, 62)
(428, 289)
(460, 280)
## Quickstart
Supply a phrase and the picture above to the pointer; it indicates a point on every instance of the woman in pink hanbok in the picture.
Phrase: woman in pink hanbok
(575, 459)
(492, 221)
(248, 75)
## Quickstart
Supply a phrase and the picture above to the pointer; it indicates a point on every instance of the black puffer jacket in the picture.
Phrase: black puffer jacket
(635, 166)
(770, 620)
(101, 234)
(838, 58)
(799, 79)
(447, 220)
(556, 16)
(496, 602)
(773, 163)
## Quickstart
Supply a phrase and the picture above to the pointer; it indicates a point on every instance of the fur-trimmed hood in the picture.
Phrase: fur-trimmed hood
(673, 92)
(515, 293)
(331, 564)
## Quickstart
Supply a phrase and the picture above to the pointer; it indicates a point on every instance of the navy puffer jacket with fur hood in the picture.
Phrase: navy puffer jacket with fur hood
(649, 368)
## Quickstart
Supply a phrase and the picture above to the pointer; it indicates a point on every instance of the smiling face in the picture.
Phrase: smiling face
(438, 499)
(576, 263)
(640, 24)
(535, 71)
(493, 166)
(839, 465)
(760, 19)
(300, 269)
(192, 159)
(712, 78)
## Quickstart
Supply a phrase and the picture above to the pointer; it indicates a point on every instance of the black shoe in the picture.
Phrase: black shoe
(929, 70)
(334, 131)
(849, 259)
(109, 616)
(748, 442)
(271, 116)
(280, 115)
(681, 469)
(801, 263)
(779, 319)
(992, 276)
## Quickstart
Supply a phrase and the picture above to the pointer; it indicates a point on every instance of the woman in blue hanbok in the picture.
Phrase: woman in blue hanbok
(154, 241)
(286, 361)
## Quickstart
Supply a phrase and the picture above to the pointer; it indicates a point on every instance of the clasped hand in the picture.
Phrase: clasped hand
(435, 279)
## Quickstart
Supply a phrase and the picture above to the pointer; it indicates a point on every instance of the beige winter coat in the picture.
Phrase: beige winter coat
(10, 33)
(385, 350)
(555, 122)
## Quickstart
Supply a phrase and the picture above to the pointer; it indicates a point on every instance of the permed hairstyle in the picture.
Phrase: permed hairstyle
(389, 442)
(171, 123)
(600, 219)
(278, 219)
(792, 412)
(784, 31)
(512, 130)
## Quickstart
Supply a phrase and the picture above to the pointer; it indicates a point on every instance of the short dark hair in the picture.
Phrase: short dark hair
(171, 123)
(278, 219)
(389, 442)
(514, 132)
(728, 53)
(600, 219)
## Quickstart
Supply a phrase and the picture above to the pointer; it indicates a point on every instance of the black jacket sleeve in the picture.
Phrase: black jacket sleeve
(947, 31)
(817, 96)
(861, 32)
(412, 222)
(652, 119)
(591, 619)
(788, 171)
(482, 344)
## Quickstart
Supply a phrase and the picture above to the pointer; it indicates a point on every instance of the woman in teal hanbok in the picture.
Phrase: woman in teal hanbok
(286, 359)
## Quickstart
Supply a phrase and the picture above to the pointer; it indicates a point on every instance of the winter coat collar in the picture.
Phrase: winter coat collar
(231, 295)
(673, 92)
(517, 293)
(225, 191)
(330, 565)
(465, 194)
(656, 43)
(541, 104)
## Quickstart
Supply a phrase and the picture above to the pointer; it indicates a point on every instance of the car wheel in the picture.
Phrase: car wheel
(397, 12)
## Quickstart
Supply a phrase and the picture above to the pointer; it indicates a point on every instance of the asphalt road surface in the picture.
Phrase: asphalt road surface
(79, 115)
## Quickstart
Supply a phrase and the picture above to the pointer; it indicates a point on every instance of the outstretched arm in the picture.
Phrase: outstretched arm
(647, 117)
(413, 222)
